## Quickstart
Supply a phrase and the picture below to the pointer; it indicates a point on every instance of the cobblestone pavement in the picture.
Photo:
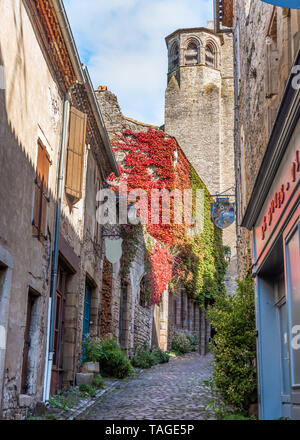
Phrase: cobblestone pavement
(166, 392)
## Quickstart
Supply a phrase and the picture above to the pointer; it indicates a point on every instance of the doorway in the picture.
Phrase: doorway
(281, 305)
(58, 344)
(29, 350)
(86, 317)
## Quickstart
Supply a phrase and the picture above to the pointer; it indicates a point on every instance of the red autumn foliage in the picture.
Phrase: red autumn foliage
(154, 160)
(161, 270)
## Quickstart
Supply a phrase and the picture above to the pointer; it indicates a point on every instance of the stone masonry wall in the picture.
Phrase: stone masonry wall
(260, 82)
(199, 112)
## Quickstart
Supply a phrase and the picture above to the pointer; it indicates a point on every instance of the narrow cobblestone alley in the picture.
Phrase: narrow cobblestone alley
(172, 391)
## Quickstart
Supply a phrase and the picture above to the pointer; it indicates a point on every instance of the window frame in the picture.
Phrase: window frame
(41, 195)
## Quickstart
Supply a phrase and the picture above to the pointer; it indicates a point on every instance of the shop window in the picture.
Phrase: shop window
(192, 54)
(174, 56)
(41, 192)
(75, 156)
(210, 55)
(292, 244)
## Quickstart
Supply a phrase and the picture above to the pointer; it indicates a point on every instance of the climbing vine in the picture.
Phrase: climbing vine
(154, 161)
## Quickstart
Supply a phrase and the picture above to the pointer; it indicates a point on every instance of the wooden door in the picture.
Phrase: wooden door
(58, 343)
(86, 317)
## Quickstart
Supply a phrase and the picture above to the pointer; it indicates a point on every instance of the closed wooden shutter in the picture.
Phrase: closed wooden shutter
(75, 159)
(41, 190)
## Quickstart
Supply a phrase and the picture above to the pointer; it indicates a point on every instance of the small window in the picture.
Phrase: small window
(210, 55)
(75, 159)
(41, 192)
(174, 56)
(191, 56)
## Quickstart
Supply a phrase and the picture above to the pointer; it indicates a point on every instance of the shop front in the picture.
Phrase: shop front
(273, 215)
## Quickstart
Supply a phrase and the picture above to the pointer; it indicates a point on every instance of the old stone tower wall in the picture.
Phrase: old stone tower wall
(199, 112)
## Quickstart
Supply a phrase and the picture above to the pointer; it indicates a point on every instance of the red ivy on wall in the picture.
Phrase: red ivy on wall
(153, 160)
(161, 270)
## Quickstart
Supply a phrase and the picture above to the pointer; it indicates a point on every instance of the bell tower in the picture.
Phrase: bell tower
(199, 109)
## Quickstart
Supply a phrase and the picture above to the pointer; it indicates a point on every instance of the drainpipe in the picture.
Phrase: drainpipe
(52, 298)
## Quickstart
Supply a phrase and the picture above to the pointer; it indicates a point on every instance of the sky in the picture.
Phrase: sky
(123, 44)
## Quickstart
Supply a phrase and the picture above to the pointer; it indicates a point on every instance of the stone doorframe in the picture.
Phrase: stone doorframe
(7, 264)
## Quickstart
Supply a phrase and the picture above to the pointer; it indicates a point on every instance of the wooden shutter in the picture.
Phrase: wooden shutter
(75, 159)
(41, 190)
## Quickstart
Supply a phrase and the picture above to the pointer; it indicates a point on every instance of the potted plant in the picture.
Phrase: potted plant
(92, 352)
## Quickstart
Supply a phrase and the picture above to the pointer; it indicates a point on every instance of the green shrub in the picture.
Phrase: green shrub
(194, 342)
(234, 347)
(113, 360)
(65, 400)
(92, 349)
(87, 390)
(142, 359)
(98, 381)
(181, 344)
(159, 356)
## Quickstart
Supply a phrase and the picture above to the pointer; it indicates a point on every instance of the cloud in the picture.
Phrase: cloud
(123, 44)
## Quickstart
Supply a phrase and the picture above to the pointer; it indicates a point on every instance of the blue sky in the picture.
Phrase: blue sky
(123, 44)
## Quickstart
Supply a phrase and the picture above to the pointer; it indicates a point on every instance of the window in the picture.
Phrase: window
(292, 259)
(41, 192)
(174, 56)
(75, 159)
(210, 55)
(191, 56)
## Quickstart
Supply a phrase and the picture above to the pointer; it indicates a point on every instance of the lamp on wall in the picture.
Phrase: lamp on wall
(113, 240)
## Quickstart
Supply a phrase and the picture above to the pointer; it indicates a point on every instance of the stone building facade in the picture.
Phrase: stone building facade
(42, 132)
(155, 325)
(266, 42)
(267, 140)
(199, 112)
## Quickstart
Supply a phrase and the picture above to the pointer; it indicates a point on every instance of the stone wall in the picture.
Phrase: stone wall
(156, 324)
(31, 108)
(266, 40)
(106, 300)
(199, 113)
(185, 316)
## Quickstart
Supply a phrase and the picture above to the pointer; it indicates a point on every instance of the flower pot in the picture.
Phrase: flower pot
(91, 367)
(84, 378)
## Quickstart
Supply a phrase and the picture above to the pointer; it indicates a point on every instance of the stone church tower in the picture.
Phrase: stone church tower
(199, 111)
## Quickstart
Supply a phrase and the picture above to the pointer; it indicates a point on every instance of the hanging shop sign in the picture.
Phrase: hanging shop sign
(223, 212)
(291, 4)
(113, 250)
